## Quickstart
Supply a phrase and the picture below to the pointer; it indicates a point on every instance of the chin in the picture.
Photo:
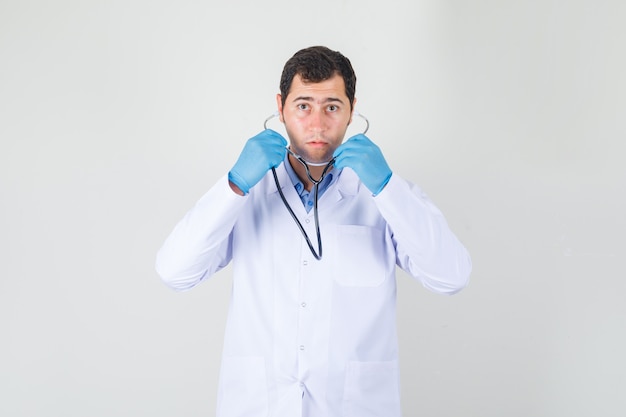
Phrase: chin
(316, 158)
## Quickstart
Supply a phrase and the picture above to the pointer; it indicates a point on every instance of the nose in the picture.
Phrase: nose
(316, 121)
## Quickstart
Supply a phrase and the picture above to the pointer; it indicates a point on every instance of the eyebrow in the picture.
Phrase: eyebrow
(326, 100)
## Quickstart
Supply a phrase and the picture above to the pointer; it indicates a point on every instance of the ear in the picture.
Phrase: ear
(352, 113)
(279, 105)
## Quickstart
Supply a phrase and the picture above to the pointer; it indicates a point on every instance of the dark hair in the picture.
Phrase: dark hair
(317, 64)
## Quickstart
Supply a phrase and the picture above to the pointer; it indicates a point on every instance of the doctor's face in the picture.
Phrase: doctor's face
(316, 117)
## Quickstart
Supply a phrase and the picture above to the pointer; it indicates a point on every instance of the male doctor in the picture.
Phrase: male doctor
(308, 337)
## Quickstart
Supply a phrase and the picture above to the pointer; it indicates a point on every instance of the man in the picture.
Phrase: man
(309, 337)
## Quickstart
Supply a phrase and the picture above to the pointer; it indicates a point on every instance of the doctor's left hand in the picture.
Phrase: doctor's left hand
(366, 160)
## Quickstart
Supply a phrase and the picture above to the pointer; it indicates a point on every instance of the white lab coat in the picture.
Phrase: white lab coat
(307, 337)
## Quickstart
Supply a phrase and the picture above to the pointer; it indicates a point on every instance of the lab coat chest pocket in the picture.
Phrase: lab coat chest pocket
(359, 256)
(243, 387)
(372, 390)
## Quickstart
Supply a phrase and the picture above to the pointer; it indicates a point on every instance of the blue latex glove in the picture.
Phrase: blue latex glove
(260, 153)
(366, 159)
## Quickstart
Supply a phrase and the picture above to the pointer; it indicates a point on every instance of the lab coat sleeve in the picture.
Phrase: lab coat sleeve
(199, 245)
(426, 248)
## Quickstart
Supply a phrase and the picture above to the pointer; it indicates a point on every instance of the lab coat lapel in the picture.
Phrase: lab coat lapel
(288, 190)
(345, 187)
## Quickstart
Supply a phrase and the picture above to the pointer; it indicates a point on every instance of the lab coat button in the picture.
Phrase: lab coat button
(305, 263)
(301, 347)
(303, 304)
(307, 221)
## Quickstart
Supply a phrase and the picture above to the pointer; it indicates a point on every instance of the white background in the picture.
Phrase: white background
(116, 116)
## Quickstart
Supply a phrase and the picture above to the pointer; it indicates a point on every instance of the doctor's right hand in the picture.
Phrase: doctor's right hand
(260, 154)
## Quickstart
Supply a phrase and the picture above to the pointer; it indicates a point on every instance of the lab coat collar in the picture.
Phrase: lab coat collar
(346, 186)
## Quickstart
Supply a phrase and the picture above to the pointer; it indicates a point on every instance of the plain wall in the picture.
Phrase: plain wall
(116, 116)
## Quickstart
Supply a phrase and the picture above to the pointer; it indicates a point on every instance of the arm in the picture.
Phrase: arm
(200, 244)
(425, 246)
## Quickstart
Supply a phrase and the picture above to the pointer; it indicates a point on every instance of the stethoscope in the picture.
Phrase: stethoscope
(327, 165)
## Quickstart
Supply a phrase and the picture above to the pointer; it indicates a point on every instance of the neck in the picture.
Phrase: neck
(300, 170)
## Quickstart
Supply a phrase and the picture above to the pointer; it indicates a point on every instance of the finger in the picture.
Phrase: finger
(275, 136)
(278, 157)
(359, 137)
(344, 147)
(347, 158)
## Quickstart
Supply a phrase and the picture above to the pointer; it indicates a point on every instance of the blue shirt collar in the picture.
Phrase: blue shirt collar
(307, 197)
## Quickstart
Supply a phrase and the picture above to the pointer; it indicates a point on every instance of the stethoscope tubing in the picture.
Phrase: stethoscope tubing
(317, 254)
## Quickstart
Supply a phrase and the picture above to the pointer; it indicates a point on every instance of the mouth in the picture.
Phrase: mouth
(317, 144)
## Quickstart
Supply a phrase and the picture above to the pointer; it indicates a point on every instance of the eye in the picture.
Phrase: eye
(333, 108)
(303, 106)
